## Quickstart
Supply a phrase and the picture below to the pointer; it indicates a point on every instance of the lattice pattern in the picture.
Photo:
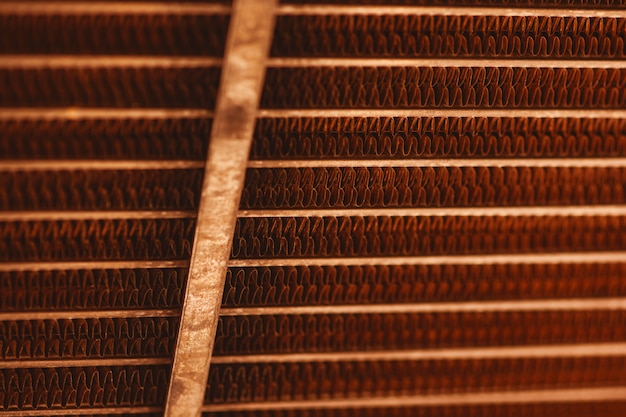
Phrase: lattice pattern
(106, 139)
(437, 137)
(444, 87)
(284, 237)
(361, 332)
(313, 188)
(328, 285)
(87, 338)
(450, 36)
(57, 388)
(100, 289)
(108, 190)
(96, 240)
(109, 87)
(126, 34)
(236, 383)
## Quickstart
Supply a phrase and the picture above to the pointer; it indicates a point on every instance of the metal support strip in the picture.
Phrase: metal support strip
(509, 258)
(97, 264)
(90, 411)
(557, 211)
(618, 162)
(96, 164)
(565, 304)
(247, 47)
(473, 353)
(393, 10)
(75, 113)
(60, 215)
(85, 362)
(38, 8)
(86, 314)
(105, 61)
(445, 62)
(515, 114)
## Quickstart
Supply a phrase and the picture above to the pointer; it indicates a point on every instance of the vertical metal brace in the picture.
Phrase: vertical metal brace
(247, 47)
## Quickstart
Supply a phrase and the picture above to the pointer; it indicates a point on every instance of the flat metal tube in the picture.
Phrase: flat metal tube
(517, 113)
(95, 164)
(104, 61)
(513, 258)
(437, 162)
(86, 314)
(578, 211)
(377, 10)
(447, 307)
(445, 62)
(617, 393)
(505, 352)
(58, 215)
(87, 362)
(83, 411)
(77, 113)
(76, 265)
(111, 7)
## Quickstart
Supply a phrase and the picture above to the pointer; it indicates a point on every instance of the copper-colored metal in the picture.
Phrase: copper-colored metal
(102, 113)
(240, 91)
(573, 113)
(93, 215)
(57, 165)
(373, 10)
(443, 62)
(516, 305)
(560, 395)
(122, 411)
(87, 314)
(47, 266)
(57, 363)
(459, 162)
(573, 257)
(280, 279)
(596, 210)
(30, 61)
(540, 351)
(111, 7)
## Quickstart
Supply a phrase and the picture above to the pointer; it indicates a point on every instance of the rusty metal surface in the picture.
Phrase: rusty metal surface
(382, 226)
(99, 197)
(430, 220)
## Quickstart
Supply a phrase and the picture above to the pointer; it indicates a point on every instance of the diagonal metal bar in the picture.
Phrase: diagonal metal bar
(247, 48)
